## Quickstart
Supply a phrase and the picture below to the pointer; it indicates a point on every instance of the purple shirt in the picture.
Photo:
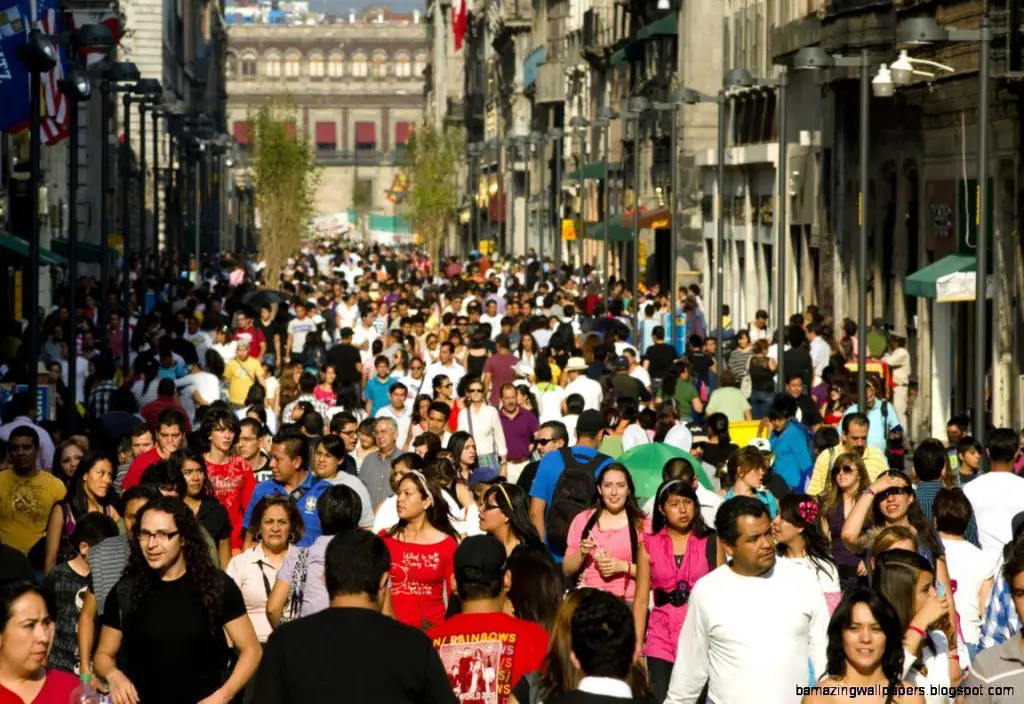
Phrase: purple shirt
(519, 432)
(499, 366)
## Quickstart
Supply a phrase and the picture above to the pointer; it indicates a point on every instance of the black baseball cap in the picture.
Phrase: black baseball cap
(480, 559)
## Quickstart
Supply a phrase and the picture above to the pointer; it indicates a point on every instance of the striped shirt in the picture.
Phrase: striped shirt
(107, 561)
(739, 361)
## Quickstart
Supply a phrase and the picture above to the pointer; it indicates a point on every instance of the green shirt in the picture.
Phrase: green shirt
(684, 395)
(730, 401)
(876, 344)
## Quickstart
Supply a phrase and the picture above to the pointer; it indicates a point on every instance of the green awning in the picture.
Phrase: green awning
(628, 54)
(593, 171)
(87, 253)
(924, 282)
(667, 26)
(616, 232)
(20, 247)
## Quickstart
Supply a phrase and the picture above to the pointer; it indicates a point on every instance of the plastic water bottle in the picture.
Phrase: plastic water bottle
(84, 692)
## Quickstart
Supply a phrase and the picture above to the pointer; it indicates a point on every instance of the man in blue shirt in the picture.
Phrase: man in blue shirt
(880, 413)
(378, 387)
(290, 477)
(589, 433)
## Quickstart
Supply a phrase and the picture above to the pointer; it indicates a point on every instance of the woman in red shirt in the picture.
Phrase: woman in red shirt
(422, 547)
(26, 634)
(231, 476)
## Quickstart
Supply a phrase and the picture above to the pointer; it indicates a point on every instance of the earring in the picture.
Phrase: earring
(291, 537)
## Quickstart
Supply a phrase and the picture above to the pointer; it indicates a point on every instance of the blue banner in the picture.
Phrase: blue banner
(14, 80)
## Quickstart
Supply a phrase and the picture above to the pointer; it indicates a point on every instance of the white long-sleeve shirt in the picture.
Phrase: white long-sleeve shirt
(487, 430)
(750, 638)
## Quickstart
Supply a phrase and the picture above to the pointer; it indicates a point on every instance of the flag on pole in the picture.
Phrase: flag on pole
(56, 112)
(460, 22)
(81, 18)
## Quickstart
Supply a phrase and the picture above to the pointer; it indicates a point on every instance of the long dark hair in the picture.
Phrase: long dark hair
(200, 571)
(437, 512)
(537, 587)
(633, 511)
(888, 620)
(802, 511)
(78, 502)
(677, 487)
(514, 504)
(456, 444)
(188, 454)
(925, 532)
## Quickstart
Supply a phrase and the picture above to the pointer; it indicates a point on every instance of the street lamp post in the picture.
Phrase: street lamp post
(637, 107)
(925, 30)
(678, 97)
(558, 135)
(818, 58)
(542, 202)
(604, 120)
(77, 88)
(579, 125)
(472, 190)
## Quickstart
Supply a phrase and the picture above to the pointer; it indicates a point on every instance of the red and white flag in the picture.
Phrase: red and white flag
(80, 18)
(460, 21)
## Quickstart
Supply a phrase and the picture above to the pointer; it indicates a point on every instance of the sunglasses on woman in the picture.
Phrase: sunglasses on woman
(895, 491)
(845, 469)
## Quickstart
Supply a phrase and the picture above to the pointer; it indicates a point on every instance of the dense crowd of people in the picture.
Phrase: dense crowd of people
(389, 479)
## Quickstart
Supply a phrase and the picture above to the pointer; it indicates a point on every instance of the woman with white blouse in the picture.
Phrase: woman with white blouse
(278, 525)
(483, 422)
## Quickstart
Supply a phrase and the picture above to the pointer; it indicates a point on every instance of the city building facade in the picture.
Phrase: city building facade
(357, 83)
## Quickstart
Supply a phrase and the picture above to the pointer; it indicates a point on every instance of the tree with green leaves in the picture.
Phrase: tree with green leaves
(285, 177)
(434, 160)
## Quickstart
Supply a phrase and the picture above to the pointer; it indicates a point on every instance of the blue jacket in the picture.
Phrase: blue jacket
(793, 461)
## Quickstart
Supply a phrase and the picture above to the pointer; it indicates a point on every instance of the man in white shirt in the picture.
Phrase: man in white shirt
(399, 411)
(81, 369)
(299, 328)
(820, 351)
(363, 337)
(636, 370)
(759, 328)
(21, 412)
(579, 383)
(446, 365)
(200, 339)
(752, 624)
(998, 495)
(492, 318)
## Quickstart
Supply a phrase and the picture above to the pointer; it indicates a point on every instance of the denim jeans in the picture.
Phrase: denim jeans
(760, 403)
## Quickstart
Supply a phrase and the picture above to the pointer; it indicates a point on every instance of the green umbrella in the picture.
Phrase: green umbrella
(646, 461)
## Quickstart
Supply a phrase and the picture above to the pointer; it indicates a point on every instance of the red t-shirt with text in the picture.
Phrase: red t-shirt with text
(233, 483)
(421, 577)
(485, 655)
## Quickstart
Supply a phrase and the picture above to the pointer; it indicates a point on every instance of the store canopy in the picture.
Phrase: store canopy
(949, 279)
(627, 54)
(616, 232)
(593, 171)
(667, 26)
(20, 247)
(87, 253)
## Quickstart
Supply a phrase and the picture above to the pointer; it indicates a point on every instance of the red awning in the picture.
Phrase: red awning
(366, 133)
(240, 130)
(402, 130)
(326, 133)
(290, 130)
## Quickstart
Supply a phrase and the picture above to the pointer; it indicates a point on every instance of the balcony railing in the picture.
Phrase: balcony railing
(329, 157)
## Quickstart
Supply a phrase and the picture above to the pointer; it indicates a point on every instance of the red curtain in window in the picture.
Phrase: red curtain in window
(366, 133)
(402, 130)
(326, 133)
(240, 130)
(290, 130)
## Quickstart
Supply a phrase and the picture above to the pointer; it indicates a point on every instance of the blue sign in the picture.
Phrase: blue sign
(14, 81)
(46, 399)
(530, 65)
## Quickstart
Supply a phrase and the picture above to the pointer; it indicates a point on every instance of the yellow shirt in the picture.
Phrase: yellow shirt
(874, 462)
(240, 377)
(25, 504)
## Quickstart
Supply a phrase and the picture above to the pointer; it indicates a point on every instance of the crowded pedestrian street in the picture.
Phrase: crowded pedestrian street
(511, 352)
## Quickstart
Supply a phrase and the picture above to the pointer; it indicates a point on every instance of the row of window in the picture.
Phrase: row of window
(325, 135)
(316, 65)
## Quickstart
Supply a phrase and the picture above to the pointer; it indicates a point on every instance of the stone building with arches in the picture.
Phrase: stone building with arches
(357, 82)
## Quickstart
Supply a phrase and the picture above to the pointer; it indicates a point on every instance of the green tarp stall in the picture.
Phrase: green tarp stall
(628, 54)
(19, 246)
(942, 279)
(87, 253)
(593, 171)
(667, 26)
(616, 231)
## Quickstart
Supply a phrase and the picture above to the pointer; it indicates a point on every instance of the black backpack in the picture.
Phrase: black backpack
(574, 492)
